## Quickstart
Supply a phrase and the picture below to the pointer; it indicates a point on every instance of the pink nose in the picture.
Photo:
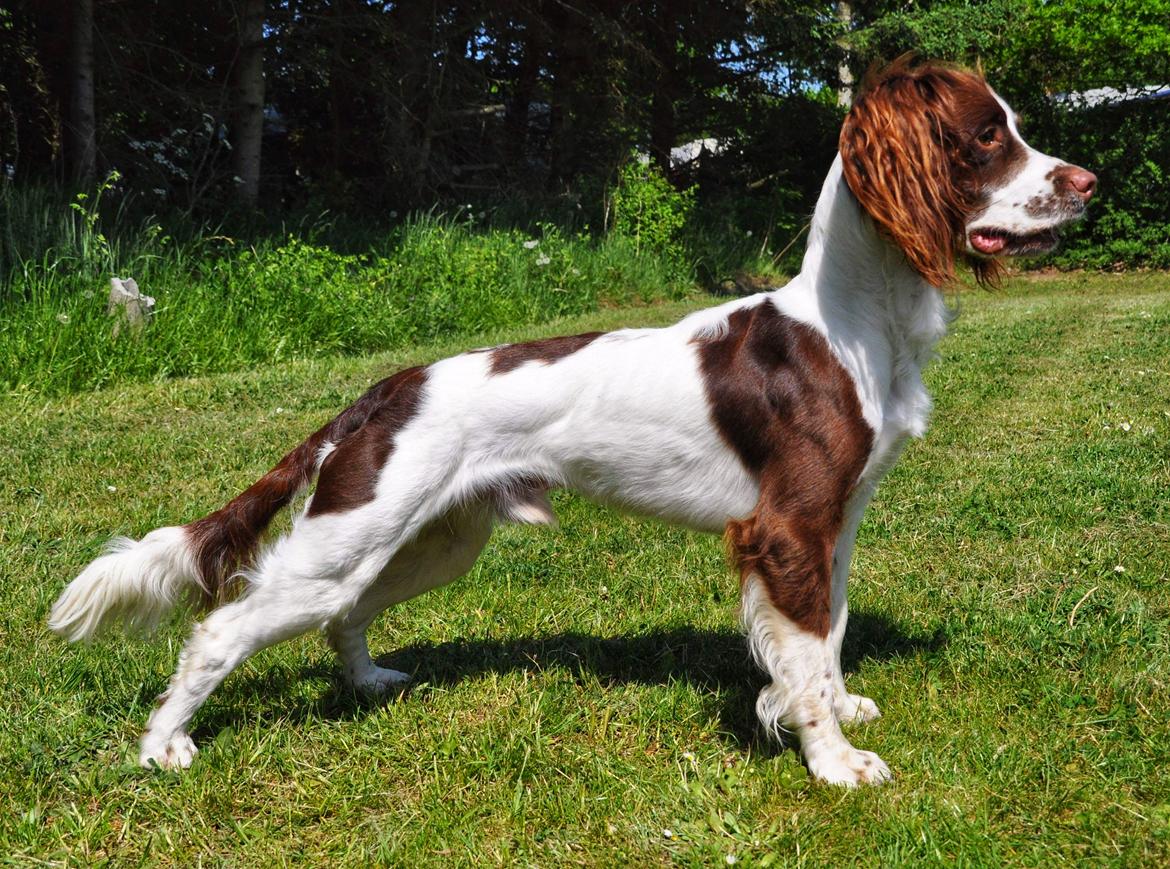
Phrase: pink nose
(1074, 179)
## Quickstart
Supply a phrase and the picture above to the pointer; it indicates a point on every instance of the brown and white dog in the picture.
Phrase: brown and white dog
(770, 418)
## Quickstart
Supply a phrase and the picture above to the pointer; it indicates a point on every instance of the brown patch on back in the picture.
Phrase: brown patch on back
(349, 475)
(789, 410)
(546, 350)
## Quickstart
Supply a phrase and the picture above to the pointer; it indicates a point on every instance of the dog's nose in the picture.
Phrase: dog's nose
(1076, 180)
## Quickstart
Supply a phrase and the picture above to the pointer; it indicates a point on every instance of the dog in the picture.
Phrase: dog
(770, 419)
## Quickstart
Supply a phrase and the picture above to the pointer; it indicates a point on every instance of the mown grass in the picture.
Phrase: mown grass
(584, 690)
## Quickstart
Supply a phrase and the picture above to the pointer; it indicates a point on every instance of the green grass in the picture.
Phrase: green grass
(223, 305)
(585, 689)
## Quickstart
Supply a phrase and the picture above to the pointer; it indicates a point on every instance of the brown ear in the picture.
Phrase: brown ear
(897, 161)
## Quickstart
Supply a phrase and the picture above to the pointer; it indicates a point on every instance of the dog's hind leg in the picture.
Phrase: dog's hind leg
(303, 582)
(443, 551)
(217, 646)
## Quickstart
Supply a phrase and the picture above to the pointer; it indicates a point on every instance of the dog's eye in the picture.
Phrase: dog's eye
(990, 136)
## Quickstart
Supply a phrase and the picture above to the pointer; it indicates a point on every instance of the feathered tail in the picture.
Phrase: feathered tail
(137, 582)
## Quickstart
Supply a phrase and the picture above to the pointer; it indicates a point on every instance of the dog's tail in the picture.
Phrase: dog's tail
(137, 582)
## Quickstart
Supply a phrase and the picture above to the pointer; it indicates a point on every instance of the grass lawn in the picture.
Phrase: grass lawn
(585, 690)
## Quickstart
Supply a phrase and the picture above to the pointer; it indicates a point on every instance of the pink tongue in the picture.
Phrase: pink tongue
(988, 243)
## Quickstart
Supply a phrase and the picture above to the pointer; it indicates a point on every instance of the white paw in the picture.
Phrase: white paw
(175, 752)
(379, 680)
(855, 709)
(848, 766)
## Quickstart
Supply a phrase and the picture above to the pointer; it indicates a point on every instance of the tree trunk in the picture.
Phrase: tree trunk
(248, 112)
(81, 124)
(662, 100)
(844, 73)
(516, 113)
(565, 66)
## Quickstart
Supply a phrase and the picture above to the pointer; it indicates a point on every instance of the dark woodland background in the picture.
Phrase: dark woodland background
(370, 106)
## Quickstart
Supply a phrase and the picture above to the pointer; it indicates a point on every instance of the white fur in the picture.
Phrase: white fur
(801, 698)
(136, 582)
(625, 420)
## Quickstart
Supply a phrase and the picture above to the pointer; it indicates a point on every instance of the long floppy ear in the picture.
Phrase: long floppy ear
(898, 162)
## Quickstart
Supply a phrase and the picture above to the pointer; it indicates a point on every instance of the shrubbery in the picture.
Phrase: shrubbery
(224, 304)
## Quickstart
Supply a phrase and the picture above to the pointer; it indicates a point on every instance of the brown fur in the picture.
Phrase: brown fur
(912, 155)
(225, 540)
(349, 474)
(546, 350)
(789, 410)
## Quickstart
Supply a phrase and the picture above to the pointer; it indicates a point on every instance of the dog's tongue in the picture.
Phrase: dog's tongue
(987, 243)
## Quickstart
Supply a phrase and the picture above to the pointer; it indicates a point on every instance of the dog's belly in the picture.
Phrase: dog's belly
(700, 489)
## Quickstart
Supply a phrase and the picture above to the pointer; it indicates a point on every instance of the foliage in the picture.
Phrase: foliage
(585, 689)
(524, 112)
(222, 304)
(963, 31)
(649, 211)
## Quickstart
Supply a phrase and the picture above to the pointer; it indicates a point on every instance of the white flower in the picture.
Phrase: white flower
(668, 833)
(62, 318)
(749, 235)
(542, 260)
(158, 191)
(393, 214)
(111, 488)
(688, 755)
(280, 410)
(730, 860)
(1119, 569)
(1125, 426)
(531, 244)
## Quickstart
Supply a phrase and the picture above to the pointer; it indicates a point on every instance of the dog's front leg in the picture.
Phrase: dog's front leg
(786, 611)
(851, 708)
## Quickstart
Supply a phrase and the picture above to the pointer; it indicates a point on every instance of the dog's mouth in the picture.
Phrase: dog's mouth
(992, 241)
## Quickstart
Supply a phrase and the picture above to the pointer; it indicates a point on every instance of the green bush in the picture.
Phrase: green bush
(650, 212)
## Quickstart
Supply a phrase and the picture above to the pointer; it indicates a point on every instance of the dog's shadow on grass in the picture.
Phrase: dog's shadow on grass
(713, 661)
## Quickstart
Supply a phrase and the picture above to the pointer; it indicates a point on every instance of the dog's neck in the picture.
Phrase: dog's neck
(880, 316)
(847, 262)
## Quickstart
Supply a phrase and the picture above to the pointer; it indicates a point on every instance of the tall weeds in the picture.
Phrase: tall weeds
(223, 303)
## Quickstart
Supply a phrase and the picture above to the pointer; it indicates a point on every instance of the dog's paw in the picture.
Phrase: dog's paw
(377, 681)
(174, 752)
(855, 709)
(849, 767)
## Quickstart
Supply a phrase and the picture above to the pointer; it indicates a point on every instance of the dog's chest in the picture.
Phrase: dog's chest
(916, 324)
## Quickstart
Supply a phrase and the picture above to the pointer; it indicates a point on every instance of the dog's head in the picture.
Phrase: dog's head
(936, 159)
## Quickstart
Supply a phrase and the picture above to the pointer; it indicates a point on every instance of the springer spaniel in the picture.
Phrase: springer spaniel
(770, 419)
